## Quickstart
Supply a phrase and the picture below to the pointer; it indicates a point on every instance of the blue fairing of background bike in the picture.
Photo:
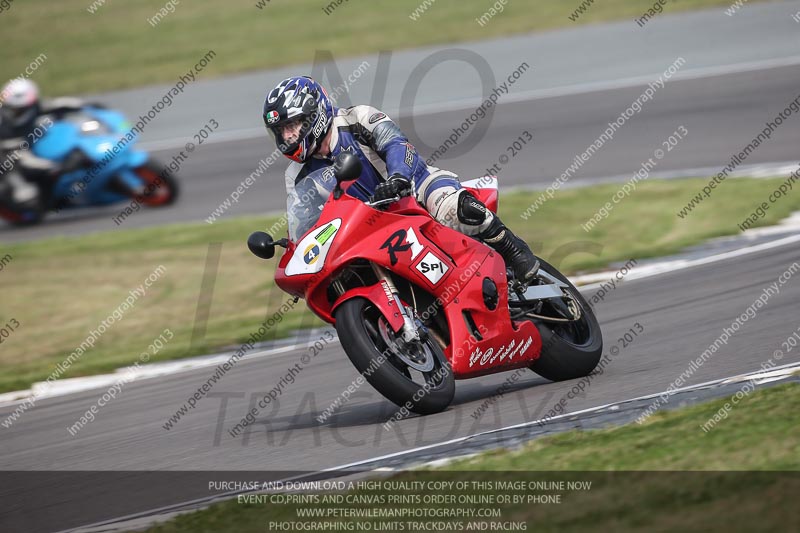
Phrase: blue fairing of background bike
(63, 137)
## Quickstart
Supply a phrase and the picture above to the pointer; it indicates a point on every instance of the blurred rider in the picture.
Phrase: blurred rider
(311, 132)
(22, 174)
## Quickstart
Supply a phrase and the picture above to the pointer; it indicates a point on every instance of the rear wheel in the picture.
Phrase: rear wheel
(160, 187)
(415, 375)
(28, 213)
(25, 217)
(570, 348)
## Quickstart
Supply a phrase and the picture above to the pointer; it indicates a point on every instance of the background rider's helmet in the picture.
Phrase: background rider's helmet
(19, 103)
(299, 98)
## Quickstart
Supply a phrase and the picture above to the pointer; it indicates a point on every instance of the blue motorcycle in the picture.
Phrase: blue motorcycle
(112, 169)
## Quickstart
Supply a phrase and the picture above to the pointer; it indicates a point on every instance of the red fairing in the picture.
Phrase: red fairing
(451, 266)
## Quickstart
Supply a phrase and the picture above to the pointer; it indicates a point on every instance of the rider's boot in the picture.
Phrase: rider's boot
(515, 251)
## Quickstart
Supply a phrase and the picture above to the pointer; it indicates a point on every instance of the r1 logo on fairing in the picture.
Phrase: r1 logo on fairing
(400, 241)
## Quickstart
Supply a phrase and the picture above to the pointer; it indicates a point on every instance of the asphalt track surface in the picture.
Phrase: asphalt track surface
(682, 313)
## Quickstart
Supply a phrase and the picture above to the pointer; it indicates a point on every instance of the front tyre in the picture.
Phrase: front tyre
(570, 350)
(416, 377)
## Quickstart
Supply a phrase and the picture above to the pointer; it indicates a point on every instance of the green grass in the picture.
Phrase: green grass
(60, 289)
(755, 436)
(116, 47)
(642, 226)
(658, 485)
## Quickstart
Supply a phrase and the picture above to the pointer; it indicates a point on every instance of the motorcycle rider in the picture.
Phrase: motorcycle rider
(311, 132)
(21, 112)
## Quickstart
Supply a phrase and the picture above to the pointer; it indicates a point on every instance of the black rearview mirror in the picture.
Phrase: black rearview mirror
(261, 244)
(347, 167)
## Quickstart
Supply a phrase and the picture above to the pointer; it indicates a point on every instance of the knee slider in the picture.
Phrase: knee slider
(471, 211)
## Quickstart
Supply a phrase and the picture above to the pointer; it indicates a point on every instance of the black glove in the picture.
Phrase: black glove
(396, 185)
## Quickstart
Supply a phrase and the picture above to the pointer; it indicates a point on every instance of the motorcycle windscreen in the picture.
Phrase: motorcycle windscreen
(306, 200)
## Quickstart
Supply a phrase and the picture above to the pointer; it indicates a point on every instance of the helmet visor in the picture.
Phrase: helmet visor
(289, 133)
(17, 115)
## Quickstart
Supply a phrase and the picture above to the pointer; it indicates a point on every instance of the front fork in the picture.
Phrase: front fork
(409, 332)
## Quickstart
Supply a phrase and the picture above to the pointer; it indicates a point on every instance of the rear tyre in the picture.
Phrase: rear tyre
(569, 350)
(27, 217)
(160, 187)
(28, 214)
(362, 330)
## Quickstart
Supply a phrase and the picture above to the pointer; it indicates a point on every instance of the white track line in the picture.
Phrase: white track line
(522, 96)
(74, 385)
(784, 371)
(760, 375)
(666, 267)
(757, 170)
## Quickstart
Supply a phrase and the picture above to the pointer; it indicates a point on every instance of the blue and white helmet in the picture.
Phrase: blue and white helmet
(298, 98)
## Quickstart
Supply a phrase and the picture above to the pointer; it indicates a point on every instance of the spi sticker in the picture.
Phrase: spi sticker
(432, 268)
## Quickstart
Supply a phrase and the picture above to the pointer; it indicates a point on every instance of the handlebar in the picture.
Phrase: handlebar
(387, 201)
(383, 202)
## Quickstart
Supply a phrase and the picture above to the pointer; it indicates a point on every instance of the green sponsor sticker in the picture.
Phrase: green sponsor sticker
(323, 236)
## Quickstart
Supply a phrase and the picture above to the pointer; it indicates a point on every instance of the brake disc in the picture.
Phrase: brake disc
(421, 357)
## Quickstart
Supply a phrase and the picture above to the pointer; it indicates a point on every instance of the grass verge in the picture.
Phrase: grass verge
(61, 289)
(115, 46)
(670, 476)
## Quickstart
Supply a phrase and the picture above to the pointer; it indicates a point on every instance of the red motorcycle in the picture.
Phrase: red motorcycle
(417, 304)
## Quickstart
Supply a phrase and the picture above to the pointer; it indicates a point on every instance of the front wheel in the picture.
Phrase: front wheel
(570, 349)
(415, 376)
